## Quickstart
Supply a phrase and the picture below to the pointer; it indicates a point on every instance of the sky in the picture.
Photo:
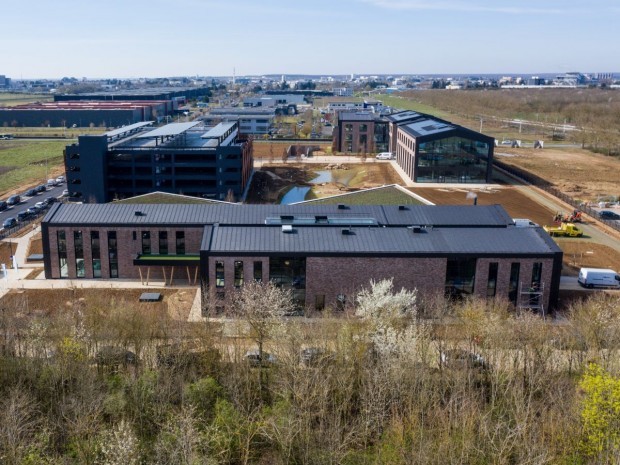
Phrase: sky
(159, 38)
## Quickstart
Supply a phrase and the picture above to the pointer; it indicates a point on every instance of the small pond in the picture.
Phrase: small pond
(298, 193)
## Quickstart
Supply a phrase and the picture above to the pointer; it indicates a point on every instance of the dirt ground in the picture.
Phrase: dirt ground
(516, 204)
(175, 302)
(578, 254)
(272, 181)
(579, 173)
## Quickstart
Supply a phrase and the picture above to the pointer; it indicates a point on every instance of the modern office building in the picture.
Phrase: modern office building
(427, 148)
(252, 120)
(360, 132)
(181, 158)
(323, 253)
(430, 149)
(174, 94)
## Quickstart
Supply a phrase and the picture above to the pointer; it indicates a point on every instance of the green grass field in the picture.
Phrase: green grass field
(12, 99)
(383, 196)
(23, 163)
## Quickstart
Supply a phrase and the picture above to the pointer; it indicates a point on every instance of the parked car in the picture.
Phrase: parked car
(598, 277)
(60, 180)
(9, 223)
(255, 360)
(30, 193)
(384, 156)
(3, 205)
(34, 210)
(51, 183)
(65, 193)
(13, 200)
(41, 205)
(608, 215)
(50, 200)
(40, 188)
(23, 215)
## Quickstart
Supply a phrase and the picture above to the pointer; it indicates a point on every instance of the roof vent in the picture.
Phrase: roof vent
(342, 206)
(347, 232)
(287, 228)
(139, 213)
(417, 229)
(402, 207)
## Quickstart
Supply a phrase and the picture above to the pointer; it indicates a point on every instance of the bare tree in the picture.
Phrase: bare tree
(261, 305)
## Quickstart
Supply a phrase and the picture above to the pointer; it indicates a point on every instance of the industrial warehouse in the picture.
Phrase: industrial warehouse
(323, 253)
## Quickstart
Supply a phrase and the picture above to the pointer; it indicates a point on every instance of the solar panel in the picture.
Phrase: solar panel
(124, 129)
(172, 129)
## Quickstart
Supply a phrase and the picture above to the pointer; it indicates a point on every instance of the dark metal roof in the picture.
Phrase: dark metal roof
(404, 116)
(233, 214)
(380, 241)
(357, 116)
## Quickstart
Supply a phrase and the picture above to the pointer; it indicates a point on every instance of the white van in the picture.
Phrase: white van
(384, 156)
(598, 277)
(524, 223)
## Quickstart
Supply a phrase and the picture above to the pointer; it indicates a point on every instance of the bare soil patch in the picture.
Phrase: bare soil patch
(6, 250)
(516, 204)
(175, 303)
(578, 254)
(36, 245)
(581, 174)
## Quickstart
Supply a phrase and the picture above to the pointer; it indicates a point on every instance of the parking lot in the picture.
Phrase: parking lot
(30, 201)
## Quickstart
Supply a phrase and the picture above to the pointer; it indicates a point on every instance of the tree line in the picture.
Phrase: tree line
(394, 379)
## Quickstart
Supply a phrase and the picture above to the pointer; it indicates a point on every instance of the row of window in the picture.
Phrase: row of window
(238, 273)
(95, 246)
(162, 242)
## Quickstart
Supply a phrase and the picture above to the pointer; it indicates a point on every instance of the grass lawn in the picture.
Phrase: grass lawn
(163, 197)
(11, 99)
(23, 163)
(408, 104)
(381, 196)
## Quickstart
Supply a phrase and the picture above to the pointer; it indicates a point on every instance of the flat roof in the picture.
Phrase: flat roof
(479, 216)
(360, 241)
(125, 129)
(218, 131)
(427, 127)
(172, 129)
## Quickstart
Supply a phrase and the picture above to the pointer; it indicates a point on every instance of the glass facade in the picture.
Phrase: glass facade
(290, 273)
(381, 137)
(453, 159)
(492, 280)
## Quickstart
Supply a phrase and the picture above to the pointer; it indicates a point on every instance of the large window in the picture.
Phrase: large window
(113, 254)
(62, 254)
(513, 285)
(258, 271)
(460, 277)
(290, 273)
(95, 248)
(492, 280)
(238, 282)
(78, 243)
(180, 242)
(453, 159)
(163, 242)
(219, 274)
(146, 242)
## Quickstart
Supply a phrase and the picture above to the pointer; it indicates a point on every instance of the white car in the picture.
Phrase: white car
(60, 179)
(384, 156)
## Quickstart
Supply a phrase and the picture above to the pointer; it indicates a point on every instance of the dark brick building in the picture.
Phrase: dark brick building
(324, 253)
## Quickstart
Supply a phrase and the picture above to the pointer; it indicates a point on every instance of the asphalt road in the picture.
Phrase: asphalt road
(30, 201)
